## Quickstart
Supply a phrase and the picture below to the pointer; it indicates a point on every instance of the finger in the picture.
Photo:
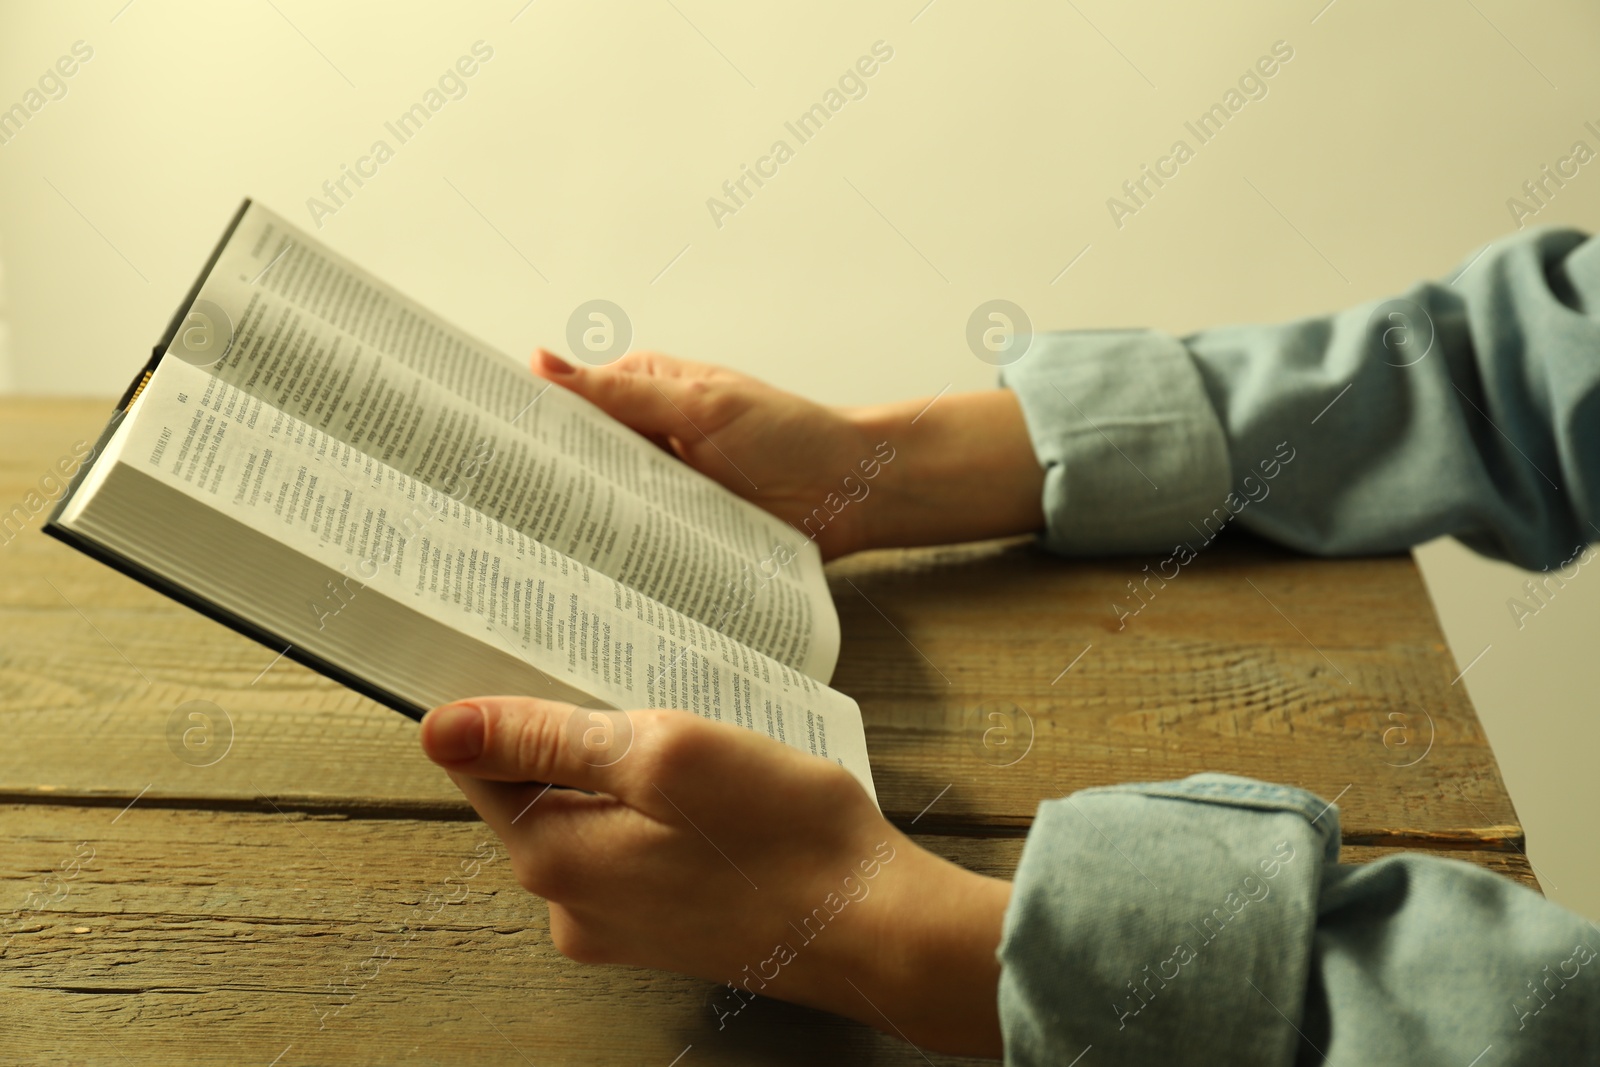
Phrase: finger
(525, 739)
(641, 393)
(559, 840)
(515, 811)
(501, 805)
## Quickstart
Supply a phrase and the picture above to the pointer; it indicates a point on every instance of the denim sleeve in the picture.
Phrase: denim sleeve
(1207, 921)
(1469, 407)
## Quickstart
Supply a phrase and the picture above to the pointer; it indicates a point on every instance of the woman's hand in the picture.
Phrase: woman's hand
(950, 468)
(779, 451)
(717, 852)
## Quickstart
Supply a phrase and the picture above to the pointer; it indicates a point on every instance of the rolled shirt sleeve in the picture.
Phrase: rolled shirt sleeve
(1131, 448)
(1208, 921)
(1469, 407)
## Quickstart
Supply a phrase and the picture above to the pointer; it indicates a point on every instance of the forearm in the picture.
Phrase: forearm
(1207, 920)
(964, 469)
(1462, 408)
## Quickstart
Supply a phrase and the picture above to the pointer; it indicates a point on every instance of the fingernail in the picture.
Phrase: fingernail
(454, 733)
(555, 364)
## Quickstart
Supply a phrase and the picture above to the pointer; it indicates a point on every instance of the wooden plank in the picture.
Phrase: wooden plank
(240, 936)
(1513, 865)
(1331, 675)
(243, 937)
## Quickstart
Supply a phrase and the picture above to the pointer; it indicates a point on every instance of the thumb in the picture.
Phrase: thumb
(526, 739)
(630, 391)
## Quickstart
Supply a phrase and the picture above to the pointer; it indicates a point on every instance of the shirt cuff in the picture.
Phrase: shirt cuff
(1154, 921)
(1131, 446)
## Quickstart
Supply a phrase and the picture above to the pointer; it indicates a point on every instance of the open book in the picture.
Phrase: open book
(327, 467)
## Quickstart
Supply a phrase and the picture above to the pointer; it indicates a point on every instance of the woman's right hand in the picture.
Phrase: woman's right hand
(781, 452)
(957, 468)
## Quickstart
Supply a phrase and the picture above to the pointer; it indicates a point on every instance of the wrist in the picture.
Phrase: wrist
(963, 468)
(924, 966)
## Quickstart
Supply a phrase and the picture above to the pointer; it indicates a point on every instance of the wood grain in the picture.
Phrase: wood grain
(236, 936)
(1329, 675)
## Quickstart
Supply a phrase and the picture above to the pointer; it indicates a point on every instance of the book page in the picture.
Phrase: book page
(394, 536)
(556, 469)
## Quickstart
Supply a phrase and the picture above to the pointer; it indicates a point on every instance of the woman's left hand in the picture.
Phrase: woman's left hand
(716, 852)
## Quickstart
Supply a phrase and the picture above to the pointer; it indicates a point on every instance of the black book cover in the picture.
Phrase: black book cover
(212, 611)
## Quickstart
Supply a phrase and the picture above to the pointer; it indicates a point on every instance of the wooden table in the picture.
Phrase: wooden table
(233, 912)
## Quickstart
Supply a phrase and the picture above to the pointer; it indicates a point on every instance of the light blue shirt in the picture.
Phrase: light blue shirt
(1208, 921)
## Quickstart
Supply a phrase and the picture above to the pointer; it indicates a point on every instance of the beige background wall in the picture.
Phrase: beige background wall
(977, 165)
